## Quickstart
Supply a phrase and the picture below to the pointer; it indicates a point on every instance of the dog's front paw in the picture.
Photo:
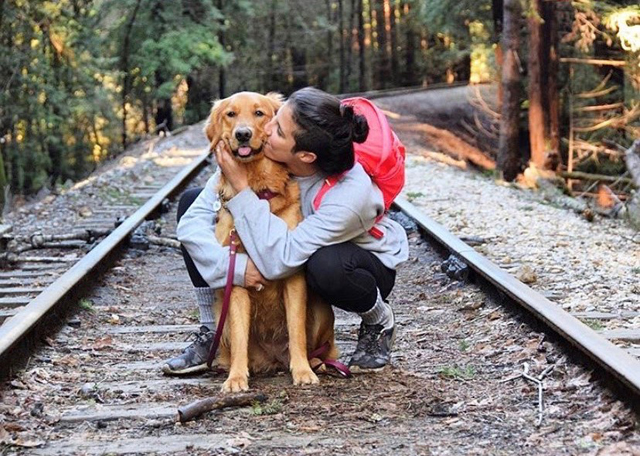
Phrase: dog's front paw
(235, 384)
(305, 377)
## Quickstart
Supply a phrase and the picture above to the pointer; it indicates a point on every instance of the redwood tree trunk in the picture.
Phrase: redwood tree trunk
(269, 76)
(537, 121)
(550, 32)
(222, 75)
(362, 83)
(341, 36)
(508, 152)
(393, 36)
(124, 68)
(410, 49)
(497, 9)
(349, 44)
(383, 61)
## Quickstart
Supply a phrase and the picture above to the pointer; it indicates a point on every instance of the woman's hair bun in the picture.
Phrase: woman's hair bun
(346, 111)
(360, 128)
(358, 123)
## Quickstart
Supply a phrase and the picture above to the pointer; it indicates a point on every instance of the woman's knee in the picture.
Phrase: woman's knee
(324, 270)
(186, 200)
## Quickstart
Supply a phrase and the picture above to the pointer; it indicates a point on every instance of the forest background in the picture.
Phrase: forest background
(80, 79)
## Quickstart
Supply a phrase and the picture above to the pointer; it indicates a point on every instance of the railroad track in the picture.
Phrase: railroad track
(130, 325)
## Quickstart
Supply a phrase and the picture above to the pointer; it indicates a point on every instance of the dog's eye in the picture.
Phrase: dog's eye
(259, 113)
(231, 114)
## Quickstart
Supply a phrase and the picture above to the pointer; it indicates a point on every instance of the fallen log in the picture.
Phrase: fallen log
(195, 409)
(449, 143)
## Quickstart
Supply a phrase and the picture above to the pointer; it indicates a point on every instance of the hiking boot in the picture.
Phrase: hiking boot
(373, 352)
(193, 359)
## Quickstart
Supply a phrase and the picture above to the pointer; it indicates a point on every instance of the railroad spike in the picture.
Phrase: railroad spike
(455, 268)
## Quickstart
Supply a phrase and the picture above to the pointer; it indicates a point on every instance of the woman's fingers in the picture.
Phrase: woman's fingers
(253, 278)
(236, 173)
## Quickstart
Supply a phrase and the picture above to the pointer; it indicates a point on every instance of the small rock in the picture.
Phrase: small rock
(88, 390)
(526, 274)
(37, 410)
(85, 212)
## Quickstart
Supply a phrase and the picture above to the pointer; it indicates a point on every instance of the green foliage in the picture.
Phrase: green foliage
(596, 325)
(451, 17)
(458, 372)
(86, 304)
(272, 408)
(413, 195)
(70, 70)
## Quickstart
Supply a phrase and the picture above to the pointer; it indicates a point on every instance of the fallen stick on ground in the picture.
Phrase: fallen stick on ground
(197, 408)
(537, 381)
(163, 241)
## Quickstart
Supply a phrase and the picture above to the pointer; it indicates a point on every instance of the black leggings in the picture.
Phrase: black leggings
(344, 275)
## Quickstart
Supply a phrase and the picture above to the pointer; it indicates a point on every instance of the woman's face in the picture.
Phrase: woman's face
(280, 131)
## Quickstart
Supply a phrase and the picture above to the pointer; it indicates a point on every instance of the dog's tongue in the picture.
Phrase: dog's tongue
(244, 151)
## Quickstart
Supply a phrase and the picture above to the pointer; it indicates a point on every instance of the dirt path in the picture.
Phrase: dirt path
(96, 388)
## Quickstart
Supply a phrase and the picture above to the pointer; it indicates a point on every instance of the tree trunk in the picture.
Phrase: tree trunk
(145, 104)
(298, 76)
(124, 67)
(269, 76)
(164, 110)
(384, 62)
(349, 44)
(362, 83)
(341, 35)
(393, 37)
(222, 73)
(508, 153)
(410, 47)
(1, 20)
(537, 121)
(497, 12)
(550, 32)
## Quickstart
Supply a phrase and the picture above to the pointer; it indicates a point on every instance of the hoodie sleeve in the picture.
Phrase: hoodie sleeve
(196, 232)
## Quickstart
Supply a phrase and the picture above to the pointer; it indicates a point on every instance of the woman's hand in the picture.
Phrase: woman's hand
(234, 172)
(252, 277)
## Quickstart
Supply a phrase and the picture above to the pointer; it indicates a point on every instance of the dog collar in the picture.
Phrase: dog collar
(266, 194)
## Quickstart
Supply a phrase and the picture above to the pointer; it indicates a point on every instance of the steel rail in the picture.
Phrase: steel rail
(613, 359)
(13, 330)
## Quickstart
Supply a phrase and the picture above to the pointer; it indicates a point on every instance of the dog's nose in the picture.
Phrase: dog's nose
(243, 134)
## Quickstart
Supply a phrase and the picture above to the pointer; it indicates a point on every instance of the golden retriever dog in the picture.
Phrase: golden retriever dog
(276, 327)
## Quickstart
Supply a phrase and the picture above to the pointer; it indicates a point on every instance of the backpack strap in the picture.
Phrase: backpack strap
(327, 185)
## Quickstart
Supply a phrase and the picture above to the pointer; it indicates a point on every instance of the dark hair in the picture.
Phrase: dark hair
(327, 128)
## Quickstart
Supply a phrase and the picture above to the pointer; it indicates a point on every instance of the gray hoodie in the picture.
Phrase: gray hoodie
(347, 212)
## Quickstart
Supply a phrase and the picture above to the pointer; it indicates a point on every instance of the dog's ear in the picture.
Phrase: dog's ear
(276, 99)
(213, 127)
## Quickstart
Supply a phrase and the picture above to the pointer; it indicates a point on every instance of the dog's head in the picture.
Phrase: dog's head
(239, 121)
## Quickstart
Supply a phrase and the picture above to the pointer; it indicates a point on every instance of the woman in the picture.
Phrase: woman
(313, 136)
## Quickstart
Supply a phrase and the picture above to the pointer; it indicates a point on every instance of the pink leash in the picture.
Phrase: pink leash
(233, 247)
(337, 365)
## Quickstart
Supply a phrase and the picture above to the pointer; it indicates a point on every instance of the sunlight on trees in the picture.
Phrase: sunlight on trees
(81, 79)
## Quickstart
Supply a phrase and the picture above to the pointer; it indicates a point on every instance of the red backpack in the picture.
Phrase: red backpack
(381, 156)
